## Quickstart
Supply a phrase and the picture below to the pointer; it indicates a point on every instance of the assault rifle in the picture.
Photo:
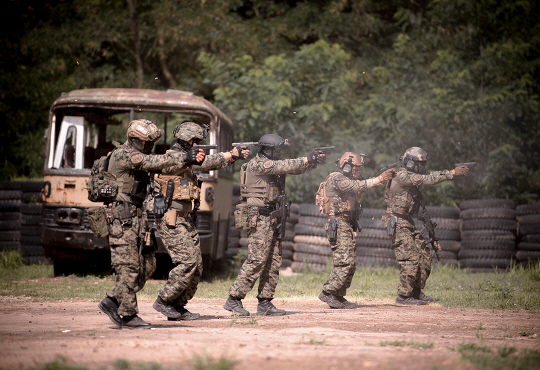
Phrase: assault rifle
(283, 209)
(428, 231)
(389, 166)
(148, 225)
(468, 164)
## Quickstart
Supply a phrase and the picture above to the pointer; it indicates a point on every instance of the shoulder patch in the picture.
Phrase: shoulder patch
(268, 164)
(417, 177)
(137, 158)
(345, 183)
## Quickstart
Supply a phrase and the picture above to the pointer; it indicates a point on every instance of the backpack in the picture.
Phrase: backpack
(321, 199)
(102, 185)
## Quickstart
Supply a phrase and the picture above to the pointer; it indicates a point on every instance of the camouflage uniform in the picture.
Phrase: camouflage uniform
(132, 269)
(412, 253)
(349, 193)
(264, 259)
(182, 242)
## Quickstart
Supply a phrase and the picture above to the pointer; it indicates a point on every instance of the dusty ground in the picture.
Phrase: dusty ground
(311, 336)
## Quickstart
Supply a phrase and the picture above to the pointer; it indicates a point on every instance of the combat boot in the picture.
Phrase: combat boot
(235, 306)
(418, 294)
(185, 315)
(267, 308)
(331, 300)
(346, 304)
(109, 306)
(135, 322)
(165, 308)
(409, 301)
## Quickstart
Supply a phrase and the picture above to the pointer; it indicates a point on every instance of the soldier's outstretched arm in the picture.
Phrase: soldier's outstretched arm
(416, 179)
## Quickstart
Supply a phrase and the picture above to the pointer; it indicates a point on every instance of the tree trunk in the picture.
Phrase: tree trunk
(137, 39)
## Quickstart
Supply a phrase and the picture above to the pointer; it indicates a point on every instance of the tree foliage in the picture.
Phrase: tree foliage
(457, 78)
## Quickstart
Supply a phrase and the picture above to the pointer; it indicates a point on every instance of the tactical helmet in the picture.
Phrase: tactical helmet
(189, 131)
(414, 159)
(271, 145)
(349, 160)
(143, 130)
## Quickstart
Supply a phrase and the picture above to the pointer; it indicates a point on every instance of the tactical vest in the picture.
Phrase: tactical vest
(260, 190)
(331, 202)
(132, 184)
(185, 185)
(401, 199)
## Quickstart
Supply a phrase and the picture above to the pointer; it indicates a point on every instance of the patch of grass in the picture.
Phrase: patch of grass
(10, 260)
(505, 358)
(199, 362)
(402, 343)
(314, 341)
(451, 287)
(250, 320)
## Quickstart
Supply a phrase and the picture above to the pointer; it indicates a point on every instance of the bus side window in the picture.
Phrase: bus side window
(70, 147)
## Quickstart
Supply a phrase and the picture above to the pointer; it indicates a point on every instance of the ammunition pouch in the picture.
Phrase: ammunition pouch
(170, 218)
(332, 230)
(185, 188)
(241, 217)
(97, 219)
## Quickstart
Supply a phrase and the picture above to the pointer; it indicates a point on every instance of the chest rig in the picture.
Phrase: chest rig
(333, 202)
(266, 188)
(401, 199)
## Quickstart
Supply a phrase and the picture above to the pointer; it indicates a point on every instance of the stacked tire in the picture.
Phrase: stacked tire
(287, 245)
(233, 236)
(311, 247)
(488, 234)
(31, 220)
(528, 248)
(10, 226)
(373, 245)
(448, 233)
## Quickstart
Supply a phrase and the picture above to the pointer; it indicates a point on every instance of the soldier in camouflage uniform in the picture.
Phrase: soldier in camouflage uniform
(262, 184)
(130, 163)
(180, 236)
(339, 198)
(401, 197)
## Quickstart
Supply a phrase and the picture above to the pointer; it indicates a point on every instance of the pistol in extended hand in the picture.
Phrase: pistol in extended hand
(468, 164)
(204, 147)
(389, 166)
(325, 148)
(248, 144)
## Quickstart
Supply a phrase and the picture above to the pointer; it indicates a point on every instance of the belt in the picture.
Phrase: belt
(405, 217)
(265, 211)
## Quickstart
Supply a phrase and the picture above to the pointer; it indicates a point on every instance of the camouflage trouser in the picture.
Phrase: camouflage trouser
(263, 260)
(344, 258)
(183, 244)
(132, 269)
(414, 257)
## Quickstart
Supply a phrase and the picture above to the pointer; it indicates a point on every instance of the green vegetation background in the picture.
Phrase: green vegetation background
(458, 78)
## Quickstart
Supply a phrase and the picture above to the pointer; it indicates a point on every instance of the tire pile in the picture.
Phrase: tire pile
(311, 247)
(373, 245)
(528, 247)
(447, 231)
(31, 219)
(287, 245)
(488, 234)
(20, 219)
(10, 226)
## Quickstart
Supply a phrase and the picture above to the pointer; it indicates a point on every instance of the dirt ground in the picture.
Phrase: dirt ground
(310, 336)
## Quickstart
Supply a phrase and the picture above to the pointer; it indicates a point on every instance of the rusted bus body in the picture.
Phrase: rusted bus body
(82, 125)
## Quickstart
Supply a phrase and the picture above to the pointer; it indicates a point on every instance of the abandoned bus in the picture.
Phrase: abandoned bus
(82, 126)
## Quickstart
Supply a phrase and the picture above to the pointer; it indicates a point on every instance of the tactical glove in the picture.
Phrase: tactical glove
(316, 157)
(191, 156)
(387, 175)
(461, 171)
(159, 205)
(239, 152)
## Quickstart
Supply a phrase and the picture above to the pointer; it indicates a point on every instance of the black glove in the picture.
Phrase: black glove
(316, 157)
(159, 205)
(191, 156)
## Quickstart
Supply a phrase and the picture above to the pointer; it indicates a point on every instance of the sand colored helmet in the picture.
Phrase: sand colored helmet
(414, 159)
(189, 131)
(143, 130)
(348, 161)
(271, 145)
